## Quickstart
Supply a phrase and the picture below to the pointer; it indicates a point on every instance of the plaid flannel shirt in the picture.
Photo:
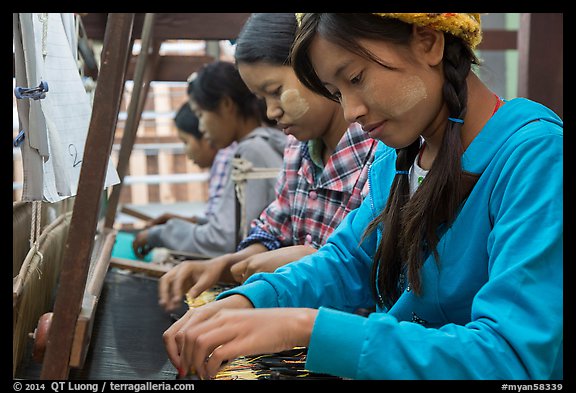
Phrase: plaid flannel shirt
(312, 200)
(218, 171)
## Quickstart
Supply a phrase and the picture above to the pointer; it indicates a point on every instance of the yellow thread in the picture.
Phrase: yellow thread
(207, 296)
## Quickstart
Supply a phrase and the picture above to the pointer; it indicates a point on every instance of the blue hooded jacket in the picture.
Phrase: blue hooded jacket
(491, 308)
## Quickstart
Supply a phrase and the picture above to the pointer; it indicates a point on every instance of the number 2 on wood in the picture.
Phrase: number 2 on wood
(74, 153)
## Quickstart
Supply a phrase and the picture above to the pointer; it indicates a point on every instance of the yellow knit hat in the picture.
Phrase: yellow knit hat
(464, 26)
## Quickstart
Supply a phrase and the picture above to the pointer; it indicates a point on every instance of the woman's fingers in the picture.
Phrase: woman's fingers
(176, 292)
(165, 285)
(170, 341)
(191, 340)
(171, 287)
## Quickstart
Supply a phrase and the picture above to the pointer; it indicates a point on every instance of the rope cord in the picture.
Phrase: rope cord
(242, 171)
(43, 17)
(36, 223)
(35, 232)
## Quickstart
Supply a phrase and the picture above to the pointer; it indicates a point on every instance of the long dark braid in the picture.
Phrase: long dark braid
(391, 218)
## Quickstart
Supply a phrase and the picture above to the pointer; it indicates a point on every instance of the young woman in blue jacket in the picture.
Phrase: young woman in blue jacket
(459, 244)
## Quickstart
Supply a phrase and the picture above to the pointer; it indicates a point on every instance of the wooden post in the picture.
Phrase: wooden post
(144, 74)
(77, 253)
(540, 59)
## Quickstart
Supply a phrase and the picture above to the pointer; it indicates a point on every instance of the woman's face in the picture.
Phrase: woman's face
(297, 110)
(199, 151)
(218, 126)
(395, 103)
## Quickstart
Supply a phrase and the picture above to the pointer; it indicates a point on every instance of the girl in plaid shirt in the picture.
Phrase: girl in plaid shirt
(324, 173)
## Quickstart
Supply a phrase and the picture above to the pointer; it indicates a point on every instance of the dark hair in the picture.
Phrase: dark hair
(410, 225)
(266, 37)
(187, 121)
(190, 87)
(220, 79)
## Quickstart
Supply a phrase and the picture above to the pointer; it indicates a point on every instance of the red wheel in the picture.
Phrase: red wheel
(40, 337)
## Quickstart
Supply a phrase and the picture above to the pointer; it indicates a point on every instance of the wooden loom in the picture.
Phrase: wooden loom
(80, 270)
(72, 253)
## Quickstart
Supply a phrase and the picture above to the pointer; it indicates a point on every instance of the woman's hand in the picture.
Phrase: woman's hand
(140, 244)
(192, 277)
(268, 261)
(212, 334)
(197, 314)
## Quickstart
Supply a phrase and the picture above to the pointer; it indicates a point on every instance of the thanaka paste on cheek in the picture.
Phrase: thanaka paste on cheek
(410, 93)
(294, 104)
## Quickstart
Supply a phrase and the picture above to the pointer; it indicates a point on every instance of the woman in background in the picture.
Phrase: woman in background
(228, 113)
(161, 229)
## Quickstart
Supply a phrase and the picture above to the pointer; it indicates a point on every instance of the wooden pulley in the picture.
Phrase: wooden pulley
(40, 336)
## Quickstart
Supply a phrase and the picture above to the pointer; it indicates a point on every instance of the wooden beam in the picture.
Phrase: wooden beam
(169, 26)
(151, 269)
(499, 40)
(135, 213)
(145, 68)
(172, 68)
(540, 59)
(80, 242)
(85, 323)
(154, 139)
